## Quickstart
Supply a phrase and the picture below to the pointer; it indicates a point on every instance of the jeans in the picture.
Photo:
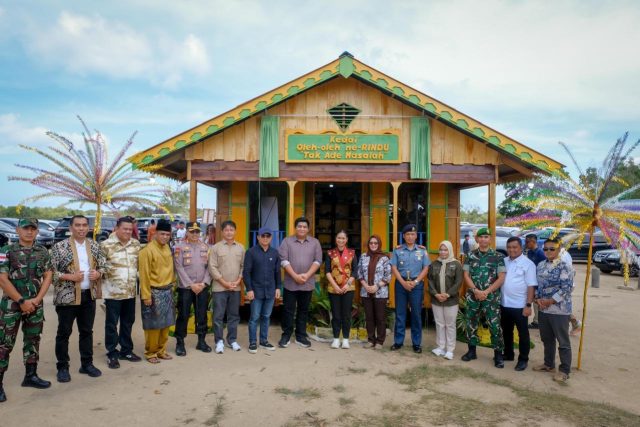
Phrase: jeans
(555, 327)
(260, 310)
(510, 317)
(414, 298)
(84, 315)
(295, 303)
(187, 298)
(123, 310)
(226, 302)
(341, 306)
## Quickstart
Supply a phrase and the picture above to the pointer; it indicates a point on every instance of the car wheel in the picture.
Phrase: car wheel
(102, 238)
(634, 270)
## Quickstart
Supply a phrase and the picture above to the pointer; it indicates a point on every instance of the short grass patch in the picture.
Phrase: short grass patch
(218, 413)
(307, 393)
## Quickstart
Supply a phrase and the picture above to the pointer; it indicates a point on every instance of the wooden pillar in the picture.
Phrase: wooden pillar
(291, 207)
(193, 195)
(491, 222)
(395, 185)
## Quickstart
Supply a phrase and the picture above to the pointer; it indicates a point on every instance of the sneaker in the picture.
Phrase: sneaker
(113, 363)
(417, 349)
(303, 342)
(63, 375)
(533, 325)
(131, 357)
(235, 346)
(448, 355)
(395, 347)
(267, 346)
(543, 368)
(345, 344)
(284, 342)
(561, 378)
(220, 347)
(335, 343)
(253, 348)
(438, 351)
(90, 370)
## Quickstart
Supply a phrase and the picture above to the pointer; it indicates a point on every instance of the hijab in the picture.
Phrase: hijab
(445, 261)
(374, 257)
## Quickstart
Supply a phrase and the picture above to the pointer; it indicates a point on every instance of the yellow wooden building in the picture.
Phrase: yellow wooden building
(349, 148)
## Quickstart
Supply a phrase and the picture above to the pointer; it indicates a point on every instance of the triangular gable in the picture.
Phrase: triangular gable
(348, 67)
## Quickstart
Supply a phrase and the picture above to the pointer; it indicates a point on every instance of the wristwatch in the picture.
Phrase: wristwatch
(21, 301)
(529, 304)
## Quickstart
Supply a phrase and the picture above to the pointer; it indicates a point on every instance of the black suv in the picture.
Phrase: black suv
(108, 224)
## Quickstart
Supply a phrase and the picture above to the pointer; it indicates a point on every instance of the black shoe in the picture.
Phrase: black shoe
(253, 348)
(395, 347)
(113, 363)
(180, 350)
(303, 342)
(284, 342)
(521, 365)
(498, 361)
(90, 370)
(267, 346)
(31, 378)
(508, 358)
(470, 355)
(131, 357)
(533, 325)
(417, 349)
(63, 375)
(3, 396)
(202, 345)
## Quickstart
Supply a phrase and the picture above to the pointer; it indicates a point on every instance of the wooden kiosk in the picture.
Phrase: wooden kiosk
(349, 148)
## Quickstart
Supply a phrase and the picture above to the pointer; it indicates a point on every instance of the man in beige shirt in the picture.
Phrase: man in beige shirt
(226, 259)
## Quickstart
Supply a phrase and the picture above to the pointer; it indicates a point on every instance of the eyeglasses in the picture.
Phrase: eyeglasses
(374, 243)
(549, 249)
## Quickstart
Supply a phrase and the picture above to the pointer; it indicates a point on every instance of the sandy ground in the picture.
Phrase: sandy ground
(186, 391)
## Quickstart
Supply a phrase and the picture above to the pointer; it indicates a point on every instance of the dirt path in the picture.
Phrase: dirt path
(320, 386)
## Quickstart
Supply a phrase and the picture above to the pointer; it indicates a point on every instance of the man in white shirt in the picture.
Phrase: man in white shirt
(516, 299)
(181, 232)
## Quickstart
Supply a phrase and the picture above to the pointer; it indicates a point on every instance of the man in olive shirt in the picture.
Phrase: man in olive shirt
(226, 259)
(300, 256)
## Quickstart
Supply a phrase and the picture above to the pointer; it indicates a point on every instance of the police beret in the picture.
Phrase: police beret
(484, 231)
(409, 227)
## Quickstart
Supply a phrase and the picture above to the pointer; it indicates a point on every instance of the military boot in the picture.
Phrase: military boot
(3, 397)
(471, 354)
(498, 360)
(180, 350)
(31, 378)
(202, 344)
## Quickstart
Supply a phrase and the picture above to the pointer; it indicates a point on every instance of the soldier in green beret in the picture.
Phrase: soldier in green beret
(25, 276)
(484, 272)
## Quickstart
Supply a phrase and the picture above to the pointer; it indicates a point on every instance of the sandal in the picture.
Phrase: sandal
(153, 360)
(165, 356)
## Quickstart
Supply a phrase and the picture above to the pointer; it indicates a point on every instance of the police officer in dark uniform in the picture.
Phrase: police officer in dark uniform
(25, 276)
(409, 265)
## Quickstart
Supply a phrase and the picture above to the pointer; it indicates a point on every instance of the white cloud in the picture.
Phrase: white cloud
(92, 45)
(13, 132)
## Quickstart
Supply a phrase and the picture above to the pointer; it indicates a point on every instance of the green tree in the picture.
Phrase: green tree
(176, 200)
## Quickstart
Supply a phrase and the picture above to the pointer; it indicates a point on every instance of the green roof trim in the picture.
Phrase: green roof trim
(346, 66)
(180, 144)
(195, 136)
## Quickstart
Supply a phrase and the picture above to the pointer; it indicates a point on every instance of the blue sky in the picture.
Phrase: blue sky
(540, 72)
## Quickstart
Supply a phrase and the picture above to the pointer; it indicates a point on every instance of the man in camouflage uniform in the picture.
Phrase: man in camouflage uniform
(25, 276)
(484, 272)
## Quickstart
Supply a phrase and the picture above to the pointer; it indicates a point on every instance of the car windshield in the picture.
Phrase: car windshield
(6, 227)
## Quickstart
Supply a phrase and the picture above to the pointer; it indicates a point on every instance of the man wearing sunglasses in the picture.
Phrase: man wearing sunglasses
(553, 296)
(261, 275)
(191, 260)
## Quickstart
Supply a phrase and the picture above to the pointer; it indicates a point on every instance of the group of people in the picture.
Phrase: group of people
(83, 271)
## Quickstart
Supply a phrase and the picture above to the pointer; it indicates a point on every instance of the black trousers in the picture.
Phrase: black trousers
(296, 303)
(341, 314)
(510, 317)
(376, 319)
(187, 298)
(83, 315)
(124, 311)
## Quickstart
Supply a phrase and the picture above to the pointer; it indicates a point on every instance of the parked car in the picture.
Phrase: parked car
(143, 227)
(8, 234)
(608, 260)
(502, 235)
(45, 233)
(108, 224)
(578, 253)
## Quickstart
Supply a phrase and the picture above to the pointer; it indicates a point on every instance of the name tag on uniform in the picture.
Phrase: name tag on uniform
(419, 255)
